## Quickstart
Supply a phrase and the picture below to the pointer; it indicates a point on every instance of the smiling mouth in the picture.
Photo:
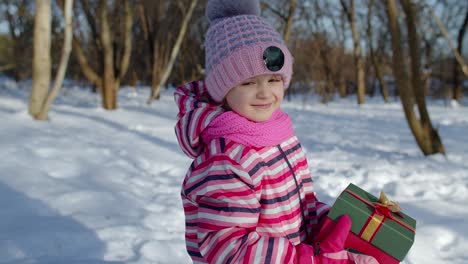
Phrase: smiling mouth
(262, 106)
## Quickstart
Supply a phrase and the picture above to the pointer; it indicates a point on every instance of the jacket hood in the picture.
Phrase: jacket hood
(196, 110)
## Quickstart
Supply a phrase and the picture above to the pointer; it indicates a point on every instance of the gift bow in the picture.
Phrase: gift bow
(384, 206)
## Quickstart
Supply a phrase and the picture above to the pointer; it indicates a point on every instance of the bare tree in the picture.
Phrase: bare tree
(41, 58)
(289, 21)
(109, 88)
(60, 75)
(161, 71)
(41, 96)
(434, 27)
(458, 92)
(323, 51)
(340, 63)
(113, 53)
(445, 33)
(359, 62)
(375, 63)
(426, 136)
(20, 23)
(323, 87)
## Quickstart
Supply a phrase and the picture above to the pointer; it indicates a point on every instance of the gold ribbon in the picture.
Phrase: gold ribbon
(372, 226)
(382, 209)
(394, 207)
(386, 207)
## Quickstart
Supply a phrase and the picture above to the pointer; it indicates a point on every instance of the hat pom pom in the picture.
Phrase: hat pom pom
(217, 9)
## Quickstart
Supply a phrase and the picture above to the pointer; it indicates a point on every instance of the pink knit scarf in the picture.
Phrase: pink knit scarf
(231, 125)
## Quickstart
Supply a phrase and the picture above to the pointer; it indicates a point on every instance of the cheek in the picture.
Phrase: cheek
(235, 100)
(279, 92)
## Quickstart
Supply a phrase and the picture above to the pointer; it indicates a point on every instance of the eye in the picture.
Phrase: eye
(247, 83)
(275, 79)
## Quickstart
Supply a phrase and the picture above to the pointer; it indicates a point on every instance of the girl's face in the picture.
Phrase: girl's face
(258, 97)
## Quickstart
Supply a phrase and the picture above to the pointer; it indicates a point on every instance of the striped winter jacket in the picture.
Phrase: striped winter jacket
(242, 204)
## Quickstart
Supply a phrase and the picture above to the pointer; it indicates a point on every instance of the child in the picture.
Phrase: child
(248, 194)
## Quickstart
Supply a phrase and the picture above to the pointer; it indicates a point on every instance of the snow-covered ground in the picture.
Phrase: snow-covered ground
(95, 187)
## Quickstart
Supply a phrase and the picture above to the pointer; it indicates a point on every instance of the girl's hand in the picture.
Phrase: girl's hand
(331, 249)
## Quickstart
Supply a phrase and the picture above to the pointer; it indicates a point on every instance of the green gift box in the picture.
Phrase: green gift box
(376, 230)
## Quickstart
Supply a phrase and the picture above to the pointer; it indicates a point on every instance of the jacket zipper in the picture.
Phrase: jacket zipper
(298, 191)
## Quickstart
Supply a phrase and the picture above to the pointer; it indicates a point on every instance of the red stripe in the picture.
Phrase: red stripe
(232, 194)
(280, 179)
(225, 241)
(222, 159)
(181, 140)
(279, 219)
(201, 120)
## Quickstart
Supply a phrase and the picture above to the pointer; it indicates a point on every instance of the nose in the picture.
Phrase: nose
(262, 90)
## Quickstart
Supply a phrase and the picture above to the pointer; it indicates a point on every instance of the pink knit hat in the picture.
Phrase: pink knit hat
(240, 44)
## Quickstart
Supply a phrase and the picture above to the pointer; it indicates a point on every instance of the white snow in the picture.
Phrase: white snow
(98, 187)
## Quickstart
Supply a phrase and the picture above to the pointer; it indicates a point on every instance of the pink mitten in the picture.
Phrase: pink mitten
(335, 238)
(331, 249)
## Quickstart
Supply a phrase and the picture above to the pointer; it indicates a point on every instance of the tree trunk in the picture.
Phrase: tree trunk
(109, 90)
(342, 86)
(127, 43)
(158, 82)
(148, 35)
(93, 25)
(458, 92)
(77, 50)
(43, 115)
(289, 22)
(41, 57)
(432, 140)
(17, 35)
(359, 62)
(426, 137)
(87, 70)
(375, 63)
(111, 71)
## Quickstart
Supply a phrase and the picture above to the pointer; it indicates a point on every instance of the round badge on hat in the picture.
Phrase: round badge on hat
(273, 57)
